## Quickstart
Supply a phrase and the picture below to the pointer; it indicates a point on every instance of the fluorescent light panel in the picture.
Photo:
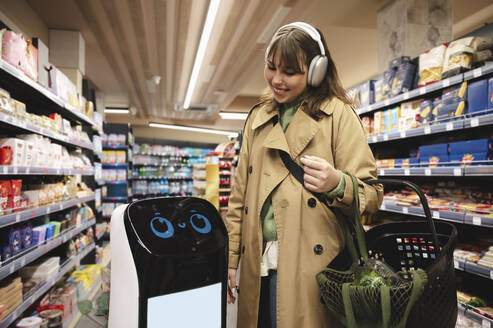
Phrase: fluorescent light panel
(116, 110)
(276, 20)
(188, 128)
(199, 57)
(233, 116)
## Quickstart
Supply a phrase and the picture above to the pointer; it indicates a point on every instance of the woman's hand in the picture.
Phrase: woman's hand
(319, 176)
(231, 286)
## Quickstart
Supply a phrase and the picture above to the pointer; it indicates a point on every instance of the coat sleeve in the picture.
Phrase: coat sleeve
(237, 198)
(353, 154)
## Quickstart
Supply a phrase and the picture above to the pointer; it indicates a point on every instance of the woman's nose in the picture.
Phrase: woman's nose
(277, 78)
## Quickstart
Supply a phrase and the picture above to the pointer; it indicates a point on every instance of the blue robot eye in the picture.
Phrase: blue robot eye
(200, 220)
(169, 227)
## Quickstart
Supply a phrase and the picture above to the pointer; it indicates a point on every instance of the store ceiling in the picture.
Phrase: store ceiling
(129, 41)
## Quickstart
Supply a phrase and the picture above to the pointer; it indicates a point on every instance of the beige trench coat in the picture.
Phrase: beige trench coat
(303, 224)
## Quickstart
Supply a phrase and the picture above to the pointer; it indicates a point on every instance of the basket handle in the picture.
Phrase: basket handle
(422, 198)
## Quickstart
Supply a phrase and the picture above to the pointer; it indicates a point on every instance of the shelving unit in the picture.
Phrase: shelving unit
(31, 170)
(456, 171)
(88, 295)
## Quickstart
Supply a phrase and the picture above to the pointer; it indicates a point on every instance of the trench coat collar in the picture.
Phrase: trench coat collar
(300, 132)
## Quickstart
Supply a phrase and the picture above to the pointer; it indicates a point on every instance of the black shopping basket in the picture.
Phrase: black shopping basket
(427, 245)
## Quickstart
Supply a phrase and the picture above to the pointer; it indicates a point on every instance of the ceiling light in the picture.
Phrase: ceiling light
(199, 57)
(276, 20)
(116, 110)
(233, 116)
(188, 128)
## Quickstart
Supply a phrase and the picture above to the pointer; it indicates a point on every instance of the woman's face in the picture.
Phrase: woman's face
(285, 82)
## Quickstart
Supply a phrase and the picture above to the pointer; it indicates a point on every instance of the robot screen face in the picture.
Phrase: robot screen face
(176, 225)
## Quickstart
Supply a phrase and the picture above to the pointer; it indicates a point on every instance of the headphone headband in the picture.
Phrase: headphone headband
(308, 29)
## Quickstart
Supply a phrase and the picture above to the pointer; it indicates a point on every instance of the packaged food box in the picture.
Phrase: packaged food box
(31, 66)
(471, 146)
(404, 78)
(367, 93)
(388, 77)
(395, 115)
(378, 86)
(378, 122)
(5, 101)
(409, 162)
(433, 150)
(433, 160)
(437, 104)
(14, 49)
(386, 121)
(490, 93)
(425, 111)
(477, 97)
(467, 159)
(431, 65)
(396, 62)
(450, 95)
(447, 112)
(17, 146)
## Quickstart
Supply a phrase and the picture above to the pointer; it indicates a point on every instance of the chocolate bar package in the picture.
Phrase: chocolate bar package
(477, 98)
(404, 78)
(450, 95)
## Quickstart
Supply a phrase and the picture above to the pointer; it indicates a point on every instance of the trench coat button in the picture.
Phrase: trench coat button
(312, 202)
(318, 249)
(246, 210)
(243, 250)
(250, 169)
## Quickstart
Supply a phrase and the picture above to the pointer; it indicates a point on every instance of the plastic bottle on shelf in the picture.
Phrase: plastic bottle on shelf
(166, 187)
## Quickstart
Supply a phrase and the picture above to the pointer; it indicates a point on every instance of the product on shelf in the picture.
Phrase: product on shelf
(431, 65)
(404, 78)
(10, 294)
(460, 53)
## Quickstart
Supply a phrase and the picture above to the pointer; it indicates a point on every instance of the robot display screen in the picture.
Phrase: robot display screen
(200, 307)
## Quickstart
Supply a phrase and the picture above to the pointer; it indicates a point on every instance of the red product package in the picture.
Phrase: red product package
(6, 155)
(15, 194)
(4, 196)
(14, 49)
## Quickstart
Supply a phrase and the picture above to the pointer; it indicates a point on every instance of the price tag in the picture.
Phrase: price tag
(387, 102)
(403, 134)
(12, 268)
(407, 172)
(17, 218)
(382, 207)
(427, 171)
(449, 126)
(406, 95)
(5, 170)
(28, 170)
(405, 210)
(457, 172)
(446, 83)
(60, 206)
(486, 324)
(23, 261)
(359, 111)
(477, 72)
(427, 130)
(385, 137)
(15, 169)
(48, 210)
(491, 274)
(381, 172)
(456, 264)
(474, 122)
(58, 171)
(374, 138)
(476, 220)
(436, 214)
(422, 90)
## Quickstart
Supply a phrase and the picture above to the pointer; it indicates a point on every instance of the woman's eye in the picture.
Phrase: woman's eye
(272, 68)
(290, 73)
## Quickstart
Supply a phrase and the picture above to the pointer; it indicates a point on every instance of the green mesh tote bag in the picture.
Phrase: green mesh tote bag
(398, 276)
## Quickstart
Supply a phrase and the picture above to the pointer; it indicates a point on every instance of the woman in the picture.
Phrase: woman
(282, 233)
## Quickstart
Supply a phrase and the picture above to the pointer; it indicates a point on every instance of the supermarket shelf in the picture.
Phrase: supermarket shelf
(115, 147)
(418, 211)
(459, 124)
(117, 199)
(45, 287)
(424, 171)
(479, 220)
(481, 170)
(17, 123)
(419, 92)
(483, 321)
(101, 235)
(163, 194)
(88, 295)
(32, 213)
(115, 182)
(30, 170)
(115, 165)
(24, 85)
(39, 250)
(473, 268)
(162, 177)
(478, 72)
(164, 165)
(167, 155)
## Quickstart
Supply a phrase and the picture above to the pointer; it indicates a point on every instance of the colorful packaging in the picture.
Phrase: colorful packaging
(15, 241)
(395, 115)
(388, 77)
(404, 78)
(5, 155)
(378, 86)
(471, 146)
(26, 236)
(490, 93)
(386, 121)
(425, 111)
(367, 93)
(450, 95)
(14, 49)
(396, 62)
(477, 98)
(17, 146)
(434, 160)
(4, 197)
(431, 65)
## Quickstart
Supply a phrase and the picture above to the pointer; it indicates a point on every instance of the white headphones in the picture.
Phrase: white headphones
(318, 65)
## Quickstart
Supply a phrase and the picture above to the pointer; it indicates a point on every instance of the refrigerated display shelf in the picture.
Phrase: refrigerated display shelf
(473, 268)
(30, 170)
(481, 320)
(28, 214)
(480, 170)
(167, 155)
(12, 121)
(37, 251)
(419, 92)
(41, 290)
(458, 217)
(114, 165)
(164, 165)
(17, 80)
(115, 147)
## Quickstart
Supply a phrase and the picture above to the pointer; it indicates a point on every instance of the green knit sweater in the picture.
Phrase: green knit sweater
(269, 231)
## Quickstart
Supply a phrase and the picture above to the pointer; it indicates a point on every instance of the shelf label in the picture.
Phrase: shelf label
(382, 207)
(406, 95)
(60, 207)
(405, 210)
(476, 220)
(427, 130)
(486, 324)
(15, 169)
(491, 274)
(474, 122)
(385, 137)
(58, 171)
(476, 72)
(28, 170)
(407, 172)
(457, 171)
(403, 134)
(374, 138)
(48, 210)
(5, 170)
(17, 217)
(422, 90)
(446, 83)
(387, 102)
(449, 126)
(381, 172)
(12, 268)
(456, 264)
(427, 171)
(436, 214)
(23, 261)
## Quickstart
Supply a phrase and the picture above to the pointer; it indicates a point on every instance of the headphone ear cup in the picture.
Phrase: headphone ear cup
(317, 70)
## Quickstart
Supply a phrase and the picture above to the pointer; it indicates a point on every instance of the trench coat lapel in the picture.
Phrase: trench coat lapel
(300, 132)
